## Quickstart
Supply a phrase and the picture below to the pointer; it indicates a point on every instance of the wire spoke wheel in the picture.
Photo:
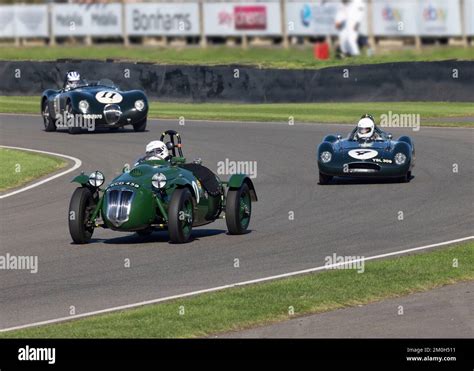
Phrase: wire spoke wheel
(181, 216)
(238, 209)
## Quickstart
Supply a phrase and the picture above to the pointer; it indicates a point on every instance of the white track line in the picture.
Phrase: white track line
(77, 164)
(219, 288)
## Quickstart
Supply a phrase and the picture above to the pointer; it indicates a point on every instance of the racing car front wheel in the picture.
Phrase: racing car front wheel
(81, 208)
(406, 178)
(324, 179)
(180, 216)
(238, 209)
(140, 125)
(71, 125)
(49, 124)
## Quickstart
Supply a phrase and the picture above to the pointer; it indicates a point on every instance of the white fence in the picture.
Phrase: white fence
(24, 21)
(233, 18)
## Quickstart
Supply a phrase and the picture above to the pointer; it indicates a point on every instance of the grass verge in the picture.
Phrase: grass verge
(431, 113)
(269, 302)
(20, 167)
(264, 57)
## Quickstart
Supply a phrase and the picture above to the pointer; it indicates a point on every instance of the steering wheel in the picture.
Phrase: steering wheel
(172, 144)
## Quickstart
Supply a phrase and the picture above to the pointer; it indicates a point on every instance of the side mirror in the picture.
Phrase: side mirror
(389, 136)
(126, 168)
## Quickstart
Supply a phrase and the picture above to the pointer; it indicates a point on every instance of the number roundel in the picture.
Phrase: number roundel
(108, 97)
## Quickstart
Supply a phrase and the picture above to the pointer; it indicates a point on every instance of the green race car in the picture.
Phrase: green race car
(166, 194)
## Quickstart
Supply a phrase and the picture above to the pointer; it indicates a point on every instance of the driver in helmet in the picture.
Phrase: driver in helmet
(366, 129)
(72, 80)
(156, 150)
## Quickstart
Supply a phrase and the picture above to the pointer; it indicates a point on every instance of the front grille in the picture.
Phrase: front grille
(119, 202)
(363, 167)
(112, 113)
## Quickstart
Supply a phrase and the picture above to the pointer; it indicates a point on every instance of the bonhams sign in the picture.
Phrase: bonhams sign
(162, 19)
(87, 19)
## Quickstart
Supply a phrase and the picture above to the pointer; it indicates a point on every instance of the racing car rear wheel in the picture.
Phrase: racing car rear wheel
(180, 216)
(324, 179)
(49, 124)
(238, 209)
(81, 207)
(140, 125)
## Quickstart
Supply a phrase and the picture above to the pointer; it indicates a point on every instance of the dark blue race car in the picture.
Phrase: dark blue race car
(83, 104)
(374, 154)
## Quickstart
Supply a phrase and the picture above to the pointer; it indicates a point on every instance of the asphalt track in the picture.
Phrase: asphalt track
(347, 218)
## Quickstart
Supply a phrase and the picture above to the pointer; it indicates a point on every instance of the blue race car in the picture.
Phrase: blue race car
(368, 151)
(84, 104)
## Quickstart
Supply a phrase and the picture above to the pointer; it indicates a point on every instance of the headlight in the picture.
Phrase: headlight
(84, 106)
(158, 180)
(96, 179)
(326, 156)
(400, 158)
(140, 105)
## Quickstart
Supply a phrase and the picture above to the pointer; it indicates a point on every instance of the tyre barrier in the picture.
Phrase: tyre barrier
(404, 81)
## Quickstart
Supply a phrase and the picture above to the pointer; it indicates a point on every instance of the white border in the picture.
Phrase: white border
(219, 288)
(77, 164)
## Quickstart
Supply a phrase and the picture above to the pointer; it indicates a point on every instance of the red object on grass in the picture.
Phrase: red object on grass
(321, 50)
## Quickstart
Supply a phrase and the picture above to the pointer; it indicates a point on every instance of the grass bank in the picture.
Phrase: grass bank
(259, 304)
(20, 167)
(431, 113)
(264, 57)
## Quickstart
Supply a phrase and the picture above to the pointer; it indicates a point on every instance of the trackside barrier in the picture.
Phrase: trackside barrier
(418, 81)
(211, 18)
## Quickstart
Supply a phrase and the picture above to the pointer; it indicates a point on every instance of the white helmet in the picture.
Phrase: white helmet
(72, 79)
(156, 150)
(365, 128)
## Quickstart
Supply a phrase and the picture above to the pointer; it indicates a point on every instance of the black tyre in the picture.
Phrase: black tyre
(72, 129)
(49, 124)
(324, 179)
(238, 209)
(406, 178)
(181, 216)
(80, 209)
(140, 125)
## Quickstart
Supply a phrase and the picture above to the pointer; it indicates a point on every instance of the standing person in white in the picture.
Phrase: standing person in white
(348, 19)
